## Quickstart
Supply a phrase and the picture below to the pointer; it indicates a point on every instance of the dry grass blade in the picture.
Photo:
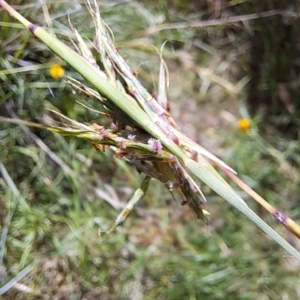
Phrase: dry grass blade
(287, 222)
(17, 278)
(216, 22)
(136, 197)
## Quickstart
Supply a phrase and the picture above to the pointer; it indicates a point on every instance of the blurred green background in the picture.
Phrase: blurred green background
(69, 194)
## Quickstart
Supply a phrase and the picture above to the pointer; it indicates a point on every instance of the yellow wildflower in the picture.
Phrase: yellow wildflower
(57, 71)
(244, 124)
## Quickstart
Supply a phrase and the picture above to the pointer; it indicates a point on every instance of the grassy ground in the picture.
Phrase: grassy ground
(60, 195)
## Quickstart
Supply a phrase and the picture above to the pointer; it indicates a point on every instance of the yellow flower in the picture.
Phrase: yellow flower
(57, 71)
(244, 124)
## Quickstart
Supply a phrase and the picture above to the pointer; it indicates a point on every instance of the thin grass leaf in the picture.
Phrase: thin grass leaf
(12, 186)
(17, 278)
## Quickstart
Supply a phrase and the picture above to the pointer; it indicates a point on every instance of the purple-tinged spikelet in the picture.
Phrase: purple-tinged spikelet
(280, 217)
(155, 145)
(174, 163)
(131, 137)
(120, 153)
(122, 145)
(104, 133)
(173, 186)
(113, 126)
